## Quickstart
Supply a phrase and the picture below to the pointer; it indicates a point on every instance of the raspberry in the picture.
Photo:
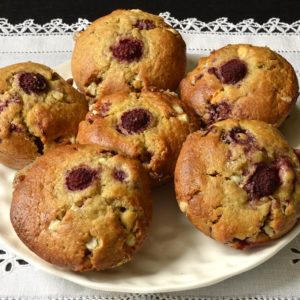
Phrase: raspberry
(32, 83)
(120, 175)
(134, 121)
(6, 103)
(80, 178)
(237, 135)
(127, 50)
(263, 182)
(14, 128)
(218, 112)
(104, 109)
(231, 72)
(144, 24)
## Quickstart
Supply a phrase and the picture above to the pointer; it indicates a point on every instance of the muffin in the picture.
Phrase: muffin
(82, 208)
(147, 126)
(239, 183)
(241, 82)
(38, 110)
(128, 50)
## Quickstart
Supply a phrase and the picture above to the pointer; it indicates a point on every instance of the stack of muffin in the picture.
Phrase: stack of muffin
(89, 158)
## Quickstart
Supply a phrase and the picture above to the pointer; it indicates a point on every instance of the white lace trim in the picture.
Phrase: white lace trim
(190, 25)
(222, 25)
(29, 27)
(147, 297)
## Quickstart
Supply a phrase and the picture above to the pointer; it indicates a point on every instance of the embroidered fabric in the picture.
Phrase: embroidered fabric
(148, 297)
(220, 25)
(9, 262)
(29, 27)
(59, 36)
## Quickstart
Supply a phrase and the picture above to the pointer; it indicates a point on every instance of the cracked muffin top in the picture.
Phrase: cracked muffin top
(241, 82)
(128, 50)
(82, 208)
(38, 110)
(148, 126)
(239, 182)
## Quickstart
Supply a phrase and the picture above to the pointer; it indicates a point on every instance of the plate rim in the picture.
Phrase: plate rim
(74, 277)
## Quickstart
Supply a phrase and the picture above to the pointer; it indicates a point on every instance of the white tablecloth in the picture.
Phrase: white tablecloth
(52, 44)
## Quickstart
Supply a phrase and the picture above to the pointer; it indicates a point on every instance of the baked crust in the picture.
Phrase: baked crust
(33, 122)
(97, 72)
(157, 146)
(267, 92)
(239, 182)
(78, 223)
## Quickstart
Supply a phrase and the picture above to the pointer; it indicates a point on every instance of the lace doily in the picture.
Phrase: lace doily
(220, 25)
(51, 43)
(9, 262)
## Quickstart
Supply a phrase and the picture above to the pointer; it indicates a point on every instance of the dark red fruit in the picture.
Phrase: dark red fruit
(120, 175)
(214, 71)
(218, 112)
(127, 50)
(3, 105)
(263, 182)
(6, 103)
(134, 121)
(80, 178)
(144, 24)
(14, 128)
(104, 109)
(32, 83)
(231, 72)
(284, 162)
(237, 135)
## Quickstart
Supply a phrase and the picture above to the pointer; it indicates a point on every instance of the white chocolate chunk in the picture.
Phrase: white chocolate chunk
(236, 179)
(177, 108)
(128, 218)
(183, 118)
(92, 89)
(92, 244)
(53, 226)
(57, 95)
(72, 139)
(242, 52)
(287, 99)
(183, 206)
(102, 160)
(130, 240)
(269, 230)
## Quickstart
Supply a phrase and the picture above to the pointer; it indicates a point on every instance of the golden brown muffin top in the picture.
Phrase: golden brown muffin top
(241, 81)
(239, 182)
(81, 207)
(128, 50)
(38, 109)
(148, 126)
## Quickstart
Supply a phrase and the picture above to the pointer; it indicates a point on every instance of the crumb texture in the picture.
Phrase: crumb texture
(241, 82)
(82, 208)
(126, 50)
(239, 182)
(38, 110)
(148, 126)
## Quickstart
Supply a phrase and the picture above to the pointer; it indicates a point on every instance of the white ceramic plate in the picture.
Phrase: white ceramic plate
(175, 257)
